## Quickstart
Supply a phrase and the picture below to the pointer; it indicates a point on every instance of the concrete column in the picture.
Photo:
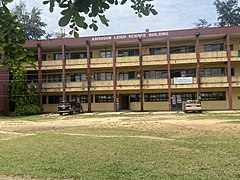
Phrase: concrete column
(169, 75)
(114, 76)
(197, 48)
(40, 76)
(89, 75)
(229, 67)
(64, 72)
(141, 72)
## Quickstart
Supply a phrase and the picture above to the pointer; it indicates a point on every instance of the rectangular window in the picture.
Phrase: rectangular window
(212, 72)
(106, 76)
(182, 49)
(105, 54)
(189, 96)
(126, 75)
(158, 97)
(54, 78)
(79, 55)
(134, 97)
(76, 77)
(58, 56)
(183, 73)
(158, 51)
(44, 78)
(213, 96)
(128, 52)
(44, 99)
(32, 78)
(213, 47)
(44, 57)
(155, 74)
(53, 99)
(232, 72)
(82, 98)
(103, 98)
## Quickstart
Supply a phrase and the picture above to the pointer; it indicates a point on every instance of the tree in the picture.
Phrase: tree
(60, 34)
(202, 23)
(31, 20)
(77, 13)
(23, 94)
(13, 55)
(228, 12)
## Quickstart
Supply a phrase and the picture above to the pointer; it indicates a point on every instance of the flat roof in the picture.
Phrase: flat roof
(124, 38)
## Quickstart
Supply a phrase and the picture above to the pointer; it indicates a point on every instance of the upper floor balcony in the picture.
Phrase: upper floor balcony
(185, 58)
(148, 60)
(155, 83)
(219, 56)
(214, 82)
(154, 59)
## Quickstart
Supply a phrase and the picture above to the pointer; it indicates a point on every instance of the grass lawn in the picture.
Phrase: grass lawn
(140, 151)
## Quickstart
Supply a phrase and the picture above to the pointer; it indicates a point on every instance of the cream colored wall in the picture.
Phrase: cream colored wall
(102, 107)
(85, 107)
(236, 102)
(215, 105)
(155, 106)
(135, 106)
(50, 108)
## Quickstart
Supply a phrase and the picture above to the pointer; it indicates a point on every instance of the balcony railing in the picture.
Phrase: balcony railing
(155, 84)
(220, 56)
(127, 61)
(183, 58)
(154, 59)
(101, 85)
(101, 62)
(128, 84)
(214, 81)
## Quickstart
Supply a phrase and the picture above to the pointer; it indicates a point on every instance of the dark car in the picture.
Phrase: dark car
(70, 107)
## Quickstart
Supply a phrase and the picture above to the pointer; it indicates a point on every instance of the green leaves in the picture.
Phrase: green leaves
(65, 19)
(228, 12)
(75, 12)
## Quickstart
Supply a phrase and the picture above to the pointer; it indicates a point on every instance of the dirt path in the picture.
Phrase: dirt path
(141, 120)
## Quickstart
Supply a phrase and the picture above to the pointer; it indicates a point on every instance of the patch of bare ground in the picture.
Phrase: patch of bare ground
(149, 121)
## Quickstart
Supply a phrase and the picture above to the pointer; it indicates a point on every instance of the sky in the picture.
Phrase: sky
(172, 15)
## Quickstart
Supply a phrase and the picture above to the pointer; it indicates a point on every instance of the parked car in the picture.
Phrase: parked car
(70, 107)
(193, 106)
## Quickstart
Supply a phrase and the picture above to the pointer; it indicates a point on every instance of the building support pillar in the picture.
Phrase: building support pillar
(114, 77)
(40, 77)
(64, 72)
(141, 73)
(197, 47)
(169, 75)
(229, 67)
(89, 76)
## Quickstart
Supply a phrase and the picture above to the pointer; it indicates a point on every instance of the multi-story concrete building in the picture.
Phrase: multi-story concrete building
(141, 71)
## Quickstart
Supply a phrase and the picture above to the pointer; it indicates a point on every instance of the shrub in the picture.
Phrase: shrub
(28, 109)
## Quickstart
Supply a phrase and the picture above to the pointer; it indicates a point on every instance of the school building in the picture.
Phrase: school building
(150, 71)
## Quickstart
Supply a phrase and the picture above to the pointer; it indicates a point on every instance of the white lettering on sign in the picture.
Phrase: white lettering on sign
(102, 38)
(158, 34)
(120, 37)
(182, 80)
(133, 36)
(130, 36)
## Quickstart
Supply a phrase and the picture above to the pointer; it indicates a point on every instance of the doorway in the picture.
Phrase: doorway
(176, 102)
(124, 102)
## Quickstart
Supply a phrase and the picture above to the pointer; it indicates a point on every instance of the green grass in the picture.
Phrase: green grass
(35, 118)
(185, 154)
(218, 116)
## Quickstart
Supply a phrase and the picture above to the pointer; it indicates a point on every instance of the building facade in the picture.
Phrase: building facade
(151, 71)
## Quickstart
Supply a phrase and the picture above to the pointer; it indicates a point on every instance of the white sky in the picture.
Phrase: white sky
(172, 15)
